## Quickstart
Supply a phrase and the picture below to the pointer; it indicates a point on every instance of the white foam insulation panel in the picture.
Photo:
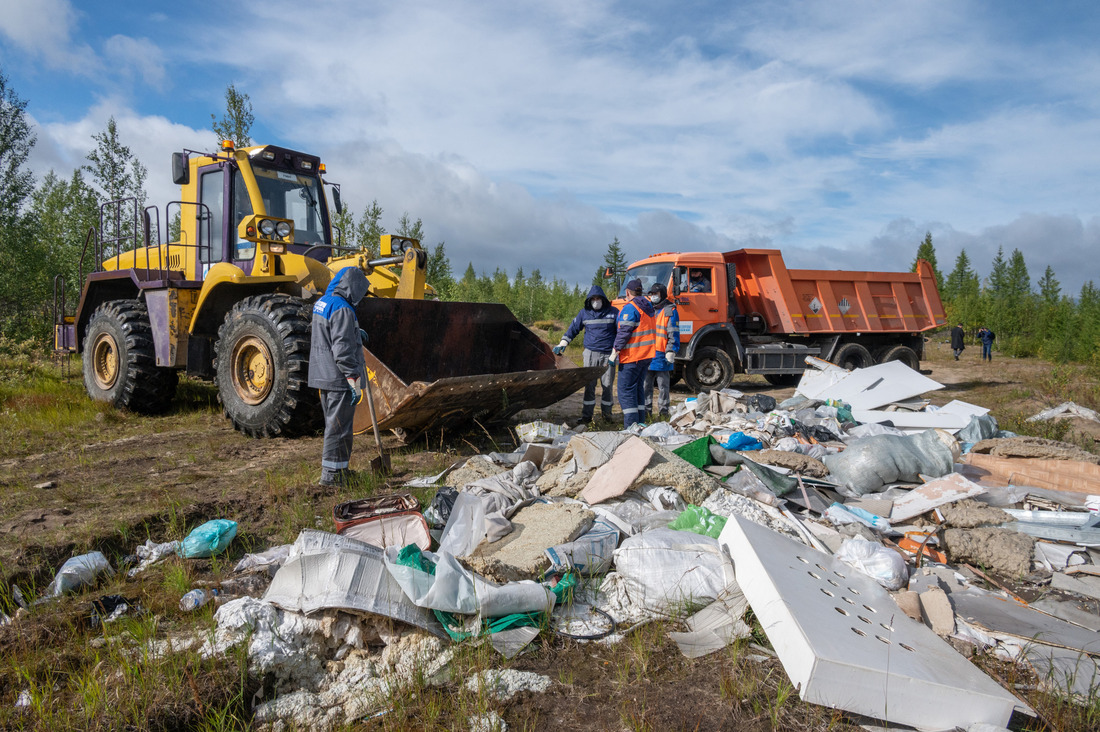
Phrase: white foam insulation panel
(845, 644)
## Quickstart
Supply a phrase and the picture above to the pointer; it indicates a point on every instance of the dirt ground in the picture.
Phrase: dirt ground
(108, 481)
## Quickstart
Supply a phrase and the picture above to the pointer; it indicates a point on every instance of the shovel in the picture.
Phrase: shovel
(380, 464)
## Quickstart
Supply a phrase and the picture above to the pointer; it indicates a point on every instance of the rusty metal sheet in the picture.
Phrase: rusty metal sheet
(465, 399)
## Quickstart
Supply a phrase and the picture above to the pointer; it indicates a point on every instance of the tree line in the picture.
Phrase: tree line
(1028, 320)
(44, 226)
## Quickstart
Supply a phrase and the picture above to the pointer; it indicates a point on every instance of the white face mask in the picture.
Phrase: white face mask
(597, 304)
(654, 299)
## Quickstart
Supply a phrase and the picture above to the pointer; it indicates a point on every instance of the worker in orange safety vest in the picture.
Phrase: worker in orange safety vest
(633, 349)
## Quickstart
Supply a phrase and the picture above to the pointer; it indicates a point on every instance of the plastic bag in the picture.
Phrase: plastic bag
(840, 514)
(79, 571)
(539, 431)
(883, 565)
(589, 554)
(666, 570)
(741, 441)
(208, 539)
(439, 511)
(761, 403)
(867, 465)
(699, 520)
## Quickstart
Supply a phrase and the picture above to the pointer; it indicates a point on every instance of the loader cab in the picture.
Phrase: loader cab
(229, 188)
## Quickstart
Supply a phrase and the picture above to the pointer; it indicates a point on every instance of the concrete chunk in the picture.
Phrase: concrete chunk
(615, 477)
(521, 554)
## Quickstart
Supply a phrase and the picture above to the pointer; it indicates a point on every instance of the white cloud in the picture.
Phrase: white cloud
(139, 56)
(44, 29)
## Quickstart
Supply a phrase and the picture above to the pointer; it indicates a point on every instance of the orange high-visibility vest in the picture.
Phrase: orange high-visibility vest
(642, 343)
(661, 321)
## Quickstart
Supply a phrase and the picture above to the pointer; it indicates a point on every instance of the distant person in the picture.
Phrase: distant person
(698, 281)
(597, 320)
(666, 345)
(633, 350)
(986, 336)
(336, 369)
(957, 336)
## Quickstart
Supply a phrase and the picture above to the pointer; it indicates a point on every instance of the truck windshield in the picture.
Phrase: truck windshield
(658, 272)
(296, 197)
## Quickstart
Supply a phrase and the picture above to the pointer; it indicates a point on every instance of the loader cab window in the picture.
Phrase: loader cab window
(242, 207)
(696, 279)
(649, 274)
(211, 237)
(296, 197)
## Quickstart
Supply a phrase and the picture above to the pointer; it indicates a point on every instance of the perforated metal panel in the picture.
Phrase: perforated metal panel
(845, 644)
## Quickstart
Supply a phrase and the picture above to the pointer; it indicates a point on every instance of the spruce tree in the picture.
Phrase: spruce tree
(236, 123)
(927, 252)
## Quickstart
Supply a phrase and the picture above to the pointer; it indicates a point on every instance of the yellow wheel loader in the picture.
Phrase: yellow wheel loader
(227, 295)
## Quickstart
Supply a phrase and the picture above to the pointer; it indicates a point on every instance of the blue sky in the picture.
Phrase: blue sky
(530, 134)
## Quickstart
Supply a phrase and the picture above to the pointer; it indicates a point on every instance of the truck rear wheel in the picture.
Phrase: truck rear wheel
(711, 369)
(261, 360)
(120, 363)
(905, 354)
(853, 356)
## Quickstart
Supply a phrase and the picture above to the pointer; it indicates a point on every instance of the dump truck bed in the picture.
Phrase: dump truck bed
(441, 364)
(834, 301)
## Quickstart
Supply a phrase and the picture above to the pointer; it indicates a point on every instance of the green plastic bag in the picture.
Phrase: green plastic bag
(697, 452)
(700, 521)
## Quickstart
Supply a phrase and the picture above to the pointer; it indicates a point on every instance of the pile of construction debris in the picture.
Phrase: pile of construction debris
(873, 535)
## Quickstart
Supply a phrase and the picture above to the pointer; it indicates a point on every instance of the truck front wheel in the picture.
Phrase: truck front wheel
(262, 363)
(120, 363)
(711, 369)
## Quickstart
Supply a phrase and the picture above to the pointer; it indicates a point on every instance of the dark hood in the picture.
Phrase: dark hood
(349, 283)
(596, 291)
(642, 303)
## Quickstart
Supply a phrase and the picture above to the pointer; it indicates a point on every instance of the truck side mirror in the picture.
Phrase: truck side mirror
(181, 171)
(336, 200)
(675, 284)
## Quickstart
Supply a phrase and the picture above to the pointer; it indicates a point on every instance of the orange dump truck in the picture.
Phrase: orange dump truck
(745, 312)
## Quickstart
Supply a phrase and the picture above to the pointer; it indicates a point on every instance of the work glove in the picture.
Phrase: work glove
(560, 348)
(670, 356)
(356, 392)
(614, 357)
(363, 337)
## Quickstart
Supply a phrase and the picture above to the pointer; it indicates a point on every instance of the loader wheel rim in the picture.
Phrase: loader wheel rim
(253, 370)
(105, 361)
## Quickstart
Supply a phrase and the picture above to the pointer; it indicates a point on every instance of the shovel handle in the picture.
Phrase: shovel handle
(374, 419)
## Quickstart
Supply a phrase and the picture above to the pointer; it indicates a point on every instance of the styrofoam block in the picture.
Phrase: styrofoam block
(844, 643)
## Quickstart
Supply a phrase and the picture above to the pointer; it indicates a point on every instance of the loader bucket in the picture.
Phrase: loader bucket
(442, 364)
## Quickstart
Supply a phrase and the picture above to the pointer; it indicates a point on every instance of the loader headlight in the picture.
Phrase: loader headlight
(282, 229)
(398, 246)
(267, 228)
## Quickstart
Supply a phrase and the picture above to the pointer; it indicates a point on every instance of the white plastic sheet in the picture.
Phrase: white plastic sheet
(455, 589)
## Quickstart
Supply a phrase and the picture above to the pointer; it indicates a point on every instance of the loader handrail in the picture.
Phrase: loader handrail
(56, 290)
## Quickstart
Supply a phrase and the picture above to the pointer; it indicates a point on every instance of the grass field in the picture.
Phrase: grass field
(78, 476)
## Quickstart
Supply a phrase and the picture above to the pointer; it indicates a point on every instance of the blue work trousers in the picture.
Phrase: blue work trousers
(632, 391)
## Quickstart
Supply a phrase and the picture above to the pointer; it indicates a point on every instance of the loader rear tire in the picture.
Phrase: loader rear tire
(853, 356)
(261, 364)
(711, 369)
(120, 363)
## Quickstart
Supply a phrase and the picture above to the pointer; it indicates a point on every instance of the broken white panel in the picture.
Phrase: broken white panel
(910, 422)
(715, 626)
(963, 409)
(815, 382)
(330, 571)
(996, 614)
(878, 385)
(948, 489)
(845, 644)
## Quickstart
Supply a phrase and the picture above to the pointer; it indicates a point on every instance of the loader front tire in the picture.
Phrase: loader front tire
(261, 360)
(120, 363)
